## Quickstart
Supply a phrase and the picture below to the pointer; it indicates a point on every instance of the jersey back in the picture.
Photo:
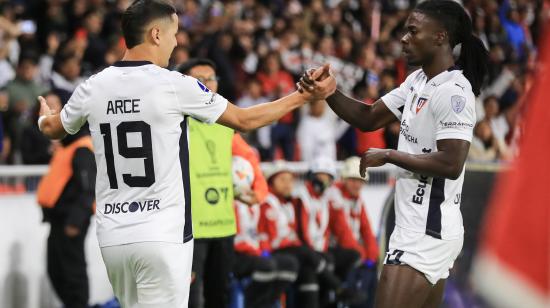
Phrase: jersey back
(137, 114)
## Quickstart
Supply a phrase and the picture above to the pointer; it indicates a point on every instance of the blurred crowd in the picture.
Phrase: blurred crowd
(261, 48)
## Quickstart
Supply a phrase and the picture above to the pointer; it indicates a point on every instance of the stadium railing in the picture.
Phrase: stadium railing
(18, 179)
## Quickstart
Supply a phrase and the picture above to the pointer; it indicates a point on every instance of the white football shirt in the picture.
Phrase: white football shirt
(137, 115)
(431, 110)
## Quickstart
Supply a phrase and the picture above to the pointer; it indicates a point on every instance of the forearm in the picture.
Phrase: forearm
(266, 113)
(349, 109)
(435, 164)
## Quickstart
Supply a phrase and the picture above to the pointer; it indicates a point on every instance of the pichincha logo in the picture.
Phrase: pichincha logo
(131, 206)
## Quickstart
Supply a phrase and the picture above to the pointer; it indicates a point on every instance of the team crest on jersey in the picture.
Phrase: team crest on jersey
(421, 102)
(203, 87)
(458, 103)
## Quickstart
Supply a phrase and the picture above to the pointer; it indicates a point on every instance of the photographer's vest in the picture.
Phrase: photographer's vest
(53, 184)
(211, 180)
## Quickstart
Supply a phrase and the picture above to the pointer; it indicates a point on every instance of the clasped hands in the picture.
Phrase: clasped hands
(317, 83)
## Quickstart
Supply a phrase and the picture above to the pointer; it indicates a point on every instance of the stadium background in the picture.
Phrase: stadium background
(260, 48)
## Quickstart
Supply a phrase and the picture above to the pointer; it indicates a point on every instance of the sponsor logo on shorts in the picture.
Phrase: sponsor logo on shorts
(131, 207)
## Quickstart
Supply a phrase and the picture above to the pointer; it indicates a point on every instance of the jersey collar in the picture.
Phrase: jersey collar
(131, 63)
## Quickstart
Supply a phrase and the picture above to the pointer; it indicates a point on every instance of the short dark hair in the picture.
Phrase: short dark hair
(63, 57)
(28, 56)
(141, 13)
(186, 67)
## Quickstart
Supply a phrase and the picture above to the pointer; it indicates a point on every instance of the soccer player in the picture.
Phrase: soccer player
(137, 113)
(435, 105)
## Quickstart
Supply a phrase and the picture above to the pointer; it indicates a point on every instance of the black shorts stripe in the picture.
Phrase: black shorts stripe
(437, 196)
(184, 165)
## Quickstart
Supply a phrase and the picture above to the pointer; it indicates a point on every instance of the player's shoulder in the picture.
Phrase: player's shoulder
(185, 80)
(456, 84)
(415, 75)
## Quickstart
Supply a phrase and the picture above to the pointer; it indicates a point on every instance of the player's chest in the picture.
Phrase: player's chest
(417, 121)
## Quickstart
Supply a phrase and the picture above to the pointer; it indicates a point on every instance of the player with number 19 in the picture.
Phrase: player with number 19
(138, 113)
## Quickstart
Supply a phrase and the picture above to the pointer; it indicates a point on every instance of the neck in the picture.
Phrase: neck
(141, 53)
(439, 63)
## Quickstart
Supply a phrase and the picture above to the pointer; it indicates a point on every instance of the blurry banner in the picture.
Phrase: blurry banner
(347, 74)
(512, 268)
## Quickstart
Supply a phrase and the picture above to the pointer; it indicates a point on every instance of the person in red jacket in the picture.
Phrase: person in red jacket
(344, 198)
(278, 227)
(270, 275)
(318, 222)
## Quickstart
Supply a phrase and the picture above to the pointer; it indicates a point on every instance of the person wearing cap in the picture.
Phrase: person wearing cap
(344, 198)
(318, 222)
(278, 228)
(270, 274)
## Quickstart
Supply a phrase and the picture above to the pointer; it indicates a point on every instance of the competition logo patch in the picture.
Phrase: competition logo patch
(458, 103)
(203, 87)
(421, 102)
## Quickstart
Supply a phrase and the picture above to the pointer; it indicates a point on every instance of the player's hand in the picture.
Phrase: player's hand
(319, 83)
(72, 231)
(249, 198)
(373, 158)
(44, 108)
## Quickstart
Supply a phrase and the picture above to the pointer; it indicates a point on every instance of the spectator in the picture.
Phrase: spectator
(485, 146)
(37, 149)
(270, 275)
(345, 197)
(248, 39)
(66, 194)
(318, 132)
(510, 20)
(253, 96)
(275, 82)
(22, 93)
(66, 75)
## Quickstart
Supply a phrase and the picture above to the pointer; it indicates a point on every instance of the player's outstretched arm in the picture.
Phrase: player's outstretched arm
(362, 116)
(49, 122)
(447, 162)
(246, 119)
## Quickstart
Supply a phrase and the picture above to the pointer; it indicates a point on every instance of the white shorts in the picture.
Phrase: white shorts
(431, 256)
(150, 274)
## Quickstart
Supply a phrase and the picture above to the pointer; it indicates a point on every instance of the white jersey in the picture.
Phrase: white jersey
(441, 108)
(137, 114)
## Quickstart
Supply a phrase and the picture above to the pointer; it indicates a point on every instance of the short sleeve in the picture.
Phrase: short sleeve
(74, 114)
(197, 100)
(453, 108)
(395, 100)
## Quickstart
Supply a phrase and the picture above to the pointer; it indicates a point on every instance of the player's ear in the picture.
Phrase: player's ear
(154, 34)
(441, 37)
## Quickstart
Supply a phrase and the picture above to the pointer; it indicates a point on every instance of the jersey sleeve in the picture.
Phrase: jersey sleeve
(395, 99)
(197, 100)
(74, 113)
(454, 114)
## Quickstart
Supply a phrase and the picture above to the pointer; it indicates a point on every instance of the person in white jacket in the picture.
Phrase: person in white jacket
(318, 131)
